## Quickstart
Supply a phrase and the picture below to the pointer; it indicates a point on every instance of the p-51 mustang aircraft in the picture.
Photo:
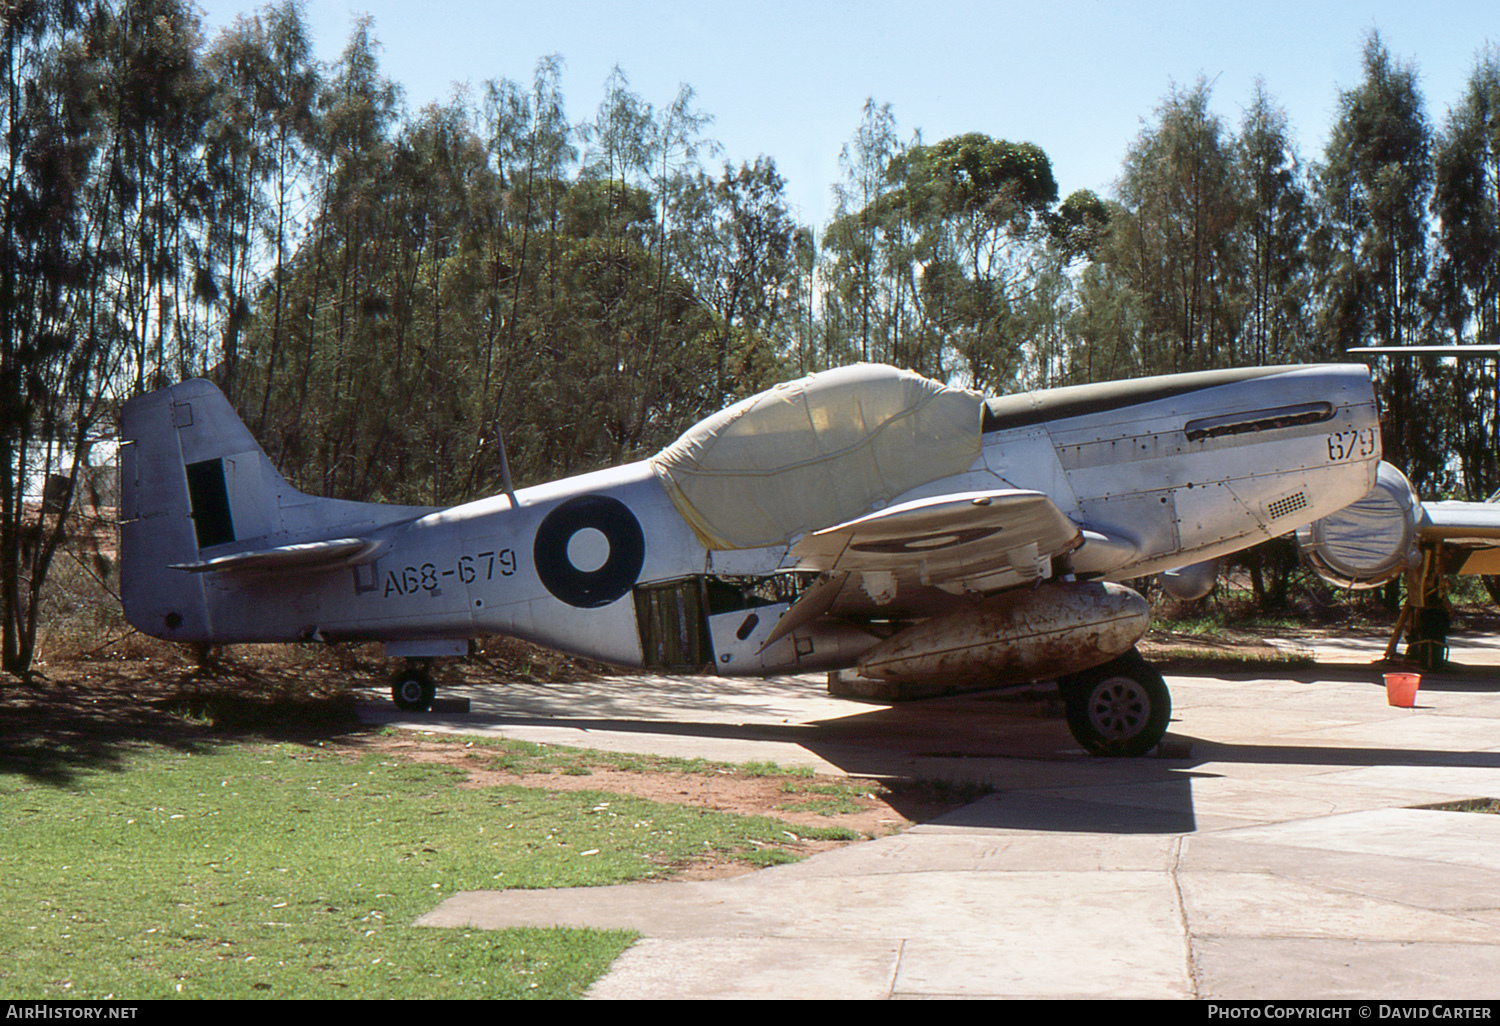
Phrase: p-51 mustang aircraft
(862, 517)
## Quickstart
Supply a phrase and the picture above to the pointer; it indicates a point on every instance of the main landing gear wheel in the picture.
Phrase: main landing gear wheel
(1120, 708)
(412, 689)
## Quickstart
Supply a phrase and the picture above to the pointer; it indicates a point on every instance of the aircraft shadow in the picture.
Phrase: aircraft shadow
(1452, 677)
(964, 745)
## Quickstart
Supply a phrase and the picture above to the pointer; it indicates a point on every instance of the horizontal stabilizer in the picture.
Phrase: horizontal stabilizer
(309, 556)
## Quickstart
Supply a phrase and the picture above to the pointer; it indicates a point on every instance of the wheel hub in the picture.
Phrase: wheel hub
(1118, 707)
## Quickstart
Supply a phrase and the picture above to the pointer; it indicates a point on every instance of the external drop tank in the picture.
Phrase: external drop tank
(1018, 636)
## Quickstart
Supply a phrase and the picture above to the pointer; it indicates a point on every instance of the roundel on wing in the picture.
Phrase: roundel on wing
(589, 551)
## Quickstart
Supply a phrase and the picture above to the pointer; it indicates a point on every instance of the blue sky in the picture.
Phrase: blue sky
(1080, 78)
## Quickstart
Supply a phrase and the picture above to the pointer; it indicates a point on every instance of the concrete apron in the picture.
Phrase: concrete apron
(1284, 857)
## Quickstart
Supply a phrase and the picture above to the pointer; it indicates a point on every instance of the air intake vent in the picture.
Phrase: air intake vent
(1290, 504)
(1257, 420)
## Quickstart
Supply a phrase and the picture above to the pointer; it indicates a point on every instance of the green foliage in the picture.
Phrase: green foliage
(476, 281)
(1466, 166)
(974, 175)
(1376, 184)
(931, 254)
(1080, 224)
(1176, 244)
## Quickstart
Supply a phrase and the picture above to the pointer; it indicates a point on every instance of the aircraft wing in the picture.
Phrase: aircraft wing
(306, 557)
(967, 541)
(1469, 532)
(1461, 523)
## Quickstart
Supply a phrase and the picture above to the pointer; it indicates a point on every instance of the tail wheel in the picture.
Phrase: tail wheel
(1120, 708)
(412, 689)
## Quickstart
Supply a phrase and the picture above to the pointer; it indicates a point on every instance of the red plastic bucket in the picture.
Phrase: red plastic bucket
(1401, 689)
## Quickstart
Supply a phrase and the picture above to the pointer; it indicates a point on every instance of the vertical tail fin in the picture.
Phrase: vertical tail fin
(192, 478)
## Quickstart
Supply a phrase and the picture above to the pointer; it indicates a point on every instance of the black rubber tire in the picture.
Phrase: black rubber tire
(413, 690)
(1121, 708)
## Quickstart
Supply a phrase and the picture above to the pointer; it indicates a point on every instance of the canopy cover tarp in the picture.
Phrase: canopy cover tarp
(816, 452)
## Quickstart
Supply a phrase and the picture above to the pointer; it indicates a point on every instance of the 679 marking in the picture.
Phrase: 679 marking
(488, 564)
(1356, 444)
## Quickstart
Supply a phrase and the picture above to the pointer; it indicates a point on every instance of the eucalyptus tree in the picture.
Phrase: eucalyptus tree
(1275, 222)
(56, 344)
(1175, 242)
(801, 308)
(532, 148)
(676, 146)
(401, 368)
(152, 196)
(107, 220)
(257, 153)
(984, 210)
(735, 245)
(651, 152)
(359, 108)
(1108, 326)
(1466, 205)
(620, 139)
(857, 299)
(1376, 184)
(262, 154)
(1045, 311)
(1079, 226)
(430, 336)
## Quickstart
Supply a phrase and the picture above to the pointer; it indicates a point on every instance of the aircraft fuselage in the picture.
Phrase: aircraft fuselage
(1156, 474)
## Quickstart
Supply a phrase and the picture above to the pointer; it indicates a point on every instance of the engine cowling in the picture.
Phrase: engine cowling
(1366, 544)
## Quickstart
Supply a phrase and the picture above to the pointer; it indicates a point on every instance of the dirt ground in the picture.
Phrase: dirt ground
(723, 791)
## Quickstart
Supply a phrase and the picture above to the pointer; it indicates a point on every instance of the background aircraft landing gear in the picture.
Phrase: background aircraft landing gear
(412, 688)
(1120, 708)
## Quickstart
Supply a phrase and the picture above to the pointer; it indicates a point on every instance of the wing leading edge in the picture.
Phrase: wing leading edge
(963, 542)
(968, 541)
(1456, 522)
(1469, 533)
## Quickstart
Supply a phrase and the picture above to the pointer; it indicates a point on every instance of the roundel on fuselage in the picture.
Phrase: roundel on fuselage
(589, 551)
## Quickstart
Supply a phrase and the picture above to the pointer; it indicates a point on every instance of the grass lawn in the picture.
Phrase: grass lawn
(283, 871)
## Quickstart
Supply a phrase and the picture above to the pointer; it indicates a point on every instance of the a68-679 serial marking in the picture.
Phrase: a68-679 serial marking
(429, 577)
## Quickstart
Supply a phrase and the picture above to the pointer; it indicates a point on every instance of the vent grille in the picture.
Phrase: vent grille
(1290, 504)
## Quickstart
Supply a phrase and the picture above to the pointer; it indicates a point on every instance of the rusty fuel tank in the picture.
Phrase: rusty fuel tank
(1018, 636)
